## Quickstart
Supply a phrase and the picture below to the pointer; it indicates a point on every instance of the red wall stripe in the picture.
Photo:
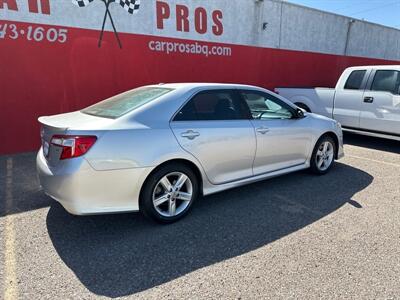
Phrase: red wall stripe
(49, 78)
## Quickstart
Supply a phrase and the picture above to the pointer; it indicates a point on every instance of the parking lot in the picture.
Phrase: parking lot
(297, 236)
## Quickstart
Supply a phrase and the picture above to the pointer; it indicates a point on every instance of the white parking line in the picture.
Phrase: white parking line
(10, 264)
(374, 160)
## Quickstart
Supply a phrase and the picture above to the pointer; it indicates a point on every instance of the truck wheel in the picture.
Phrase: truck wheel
(323, 156)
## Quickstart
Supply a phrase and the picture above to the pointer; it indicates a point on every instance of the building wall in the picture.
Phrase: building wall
(51, 63)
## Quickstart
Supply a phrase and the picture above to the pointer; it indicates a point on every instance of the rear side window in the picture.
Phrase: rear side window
(212, 105)
(387, 81)
(122, 104)
(355, 80)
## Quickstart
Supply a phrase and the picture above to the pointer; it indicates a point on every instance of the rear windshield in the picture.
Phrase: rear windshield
(120, 105)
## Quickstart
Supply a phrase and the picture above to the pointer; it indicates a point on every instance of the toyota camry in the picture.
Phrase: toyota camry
(158, 148)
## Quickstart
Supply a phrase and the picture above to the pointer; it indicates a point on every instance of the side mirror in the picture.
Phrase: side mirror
(299, 113)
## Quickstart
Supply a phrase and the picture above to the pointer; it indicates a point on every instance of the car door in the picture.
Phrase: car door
(213, 128)
(283, 141)
(380, 110)
(348, 98)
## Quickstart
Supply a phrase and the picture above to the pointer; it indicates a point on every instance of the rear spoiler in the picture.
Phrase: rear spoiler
(50, 123)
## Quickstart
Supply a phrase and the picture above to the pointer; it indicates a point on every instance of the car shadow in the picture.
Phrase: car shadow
(119, 255)
(20, 189)
(372, 142)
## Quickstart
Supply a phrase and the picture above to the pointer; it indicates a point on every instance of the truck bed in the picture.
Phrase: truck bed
(318, 100)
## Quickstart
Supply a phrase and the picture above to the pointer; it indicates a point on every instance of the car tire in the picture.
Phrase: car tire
(169, 193)
(323, 156)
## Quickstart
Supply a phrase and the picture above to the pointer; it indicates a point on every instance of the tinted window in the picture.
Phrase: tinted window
(386, 81)
(120, 105)
(266, 106)
(211, 105)
(355, 80)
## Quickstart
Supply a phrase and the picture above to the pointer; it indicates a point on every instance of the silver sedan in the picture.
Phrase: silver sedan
(157, 148)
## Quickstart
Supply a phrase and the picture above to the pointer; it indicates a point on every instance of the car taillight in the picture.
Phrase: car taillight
(73, 146)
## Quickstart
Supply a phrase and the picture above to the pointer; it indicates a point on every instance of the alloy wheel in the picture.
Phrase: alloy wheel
(172, 194)
(325, 155)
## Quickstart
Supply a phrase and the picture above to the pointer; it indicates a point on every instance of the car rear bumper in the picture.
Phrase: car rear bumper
(81, 190)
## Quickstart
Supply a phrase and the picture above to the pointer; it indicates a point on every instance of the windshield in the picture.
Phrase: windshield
(122, 104)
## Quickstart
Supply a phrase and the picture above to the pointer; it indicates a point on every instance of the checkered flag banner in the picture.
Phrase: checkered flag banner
(131, 6)
(81, 3)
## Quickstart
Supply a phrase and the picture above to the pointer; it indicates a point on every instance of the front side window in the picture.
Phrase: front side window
(122, 104)
(265, 106)
(355, 80)
(387, 81)
(211, 105)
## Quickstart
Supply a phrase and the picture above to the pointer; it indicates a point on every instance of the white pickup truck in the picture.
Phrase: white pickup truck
(366, 100)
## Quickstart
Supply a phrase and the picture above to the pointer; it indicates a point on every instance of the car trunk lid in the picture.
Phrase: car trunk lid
(64, 124)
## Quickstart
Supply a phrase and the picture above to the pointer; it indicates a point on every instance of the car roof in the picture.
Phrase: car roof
(197, 85)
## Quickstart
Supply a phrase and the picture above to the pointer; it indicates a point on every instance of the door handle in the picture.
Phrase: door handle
(262, 130)
(190, 134)
(368, 99)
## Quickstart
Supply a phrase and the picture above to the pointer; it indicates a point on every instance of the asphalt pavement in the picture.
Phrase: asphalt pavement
(298, 236)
